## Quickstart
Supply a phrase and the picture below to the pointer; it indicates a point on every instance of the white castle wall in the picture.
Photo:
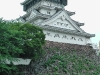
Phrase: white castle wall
(64, 38)
(38, 20)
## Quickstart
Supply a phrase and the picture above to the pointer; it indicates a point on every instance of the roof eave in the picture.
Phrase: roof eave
(80, 24)
(63, 30)
(77, 23)
(25, 2)
(70, 13)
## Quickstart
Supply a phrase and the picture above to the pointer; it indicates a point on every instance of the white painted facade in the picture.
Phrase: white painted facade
(64, 38)
(38, 21)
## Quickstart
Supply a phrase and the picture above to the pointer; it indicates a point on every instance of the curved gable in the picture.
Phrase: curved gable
(61, 19)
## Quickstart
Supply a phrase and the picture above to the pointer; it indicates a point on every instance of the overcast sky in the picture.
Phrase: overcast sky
(87, 11)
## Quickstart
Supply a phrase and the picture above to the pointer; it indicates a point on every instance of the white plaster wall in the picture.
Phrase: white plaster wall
(62, 24)
(95, 46)
(50, 35)
(44, 11)
(88, 41)
(38, 20)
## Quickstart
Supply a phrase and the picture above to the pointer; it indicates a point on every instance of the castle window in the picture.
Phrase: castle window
(66, 25)
(80, 39)
(64, 36)
(57, 35)
(48, 12)
(48, 34)
(73, 38)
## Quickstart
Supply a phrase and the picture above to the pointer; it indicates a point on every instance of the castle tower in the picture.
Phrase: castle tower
(28, 4)
(55, 21)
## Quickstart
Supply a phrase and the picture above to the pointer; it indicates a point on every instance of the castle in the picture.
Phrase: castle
(55, 21)
(58, 26)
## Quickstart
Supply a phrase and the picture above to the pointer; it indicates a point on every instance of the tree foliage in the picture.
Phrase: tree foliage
(33, 40)
(19, 40)
(9, 45)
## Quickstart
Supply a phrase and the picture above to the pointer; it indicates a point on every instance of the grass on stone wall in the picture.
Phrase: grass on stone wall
(71, 64)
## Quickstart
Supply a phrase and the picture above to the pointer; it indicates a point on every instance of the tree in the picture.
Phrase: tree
(33, 37)
(10, 42)
(19, 40)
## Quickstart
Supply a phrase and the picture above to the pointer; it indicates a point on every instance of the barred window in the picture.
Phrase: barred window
(57, 35)
(64, 36)
(73, 38)
(80, 39)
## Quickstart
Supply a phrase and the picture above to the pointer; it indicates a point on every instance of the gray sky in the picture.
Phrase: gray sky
(87, 11)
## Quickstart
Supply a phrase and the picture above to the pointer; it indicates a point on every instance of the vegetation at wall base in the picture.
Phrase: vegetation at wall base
(71, 65)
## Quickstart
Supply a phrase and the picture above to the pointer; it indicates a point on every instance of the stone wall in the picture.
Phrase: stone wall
(51, 44)
(66, 47)
(51, 48)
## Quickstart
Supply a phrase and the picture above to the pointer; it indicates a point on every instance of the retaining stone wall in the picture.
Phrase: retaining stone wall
(51, 48)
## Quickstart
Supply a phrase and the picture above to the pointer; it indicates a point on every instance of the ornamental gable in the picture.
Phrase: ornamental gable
(62, 23)
(62, 20)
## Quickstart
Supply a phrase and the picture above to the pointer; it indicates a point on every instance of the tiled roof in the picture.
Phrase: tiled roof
(77, 23)
(26, 1)
(63, 30)
(70, 13)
